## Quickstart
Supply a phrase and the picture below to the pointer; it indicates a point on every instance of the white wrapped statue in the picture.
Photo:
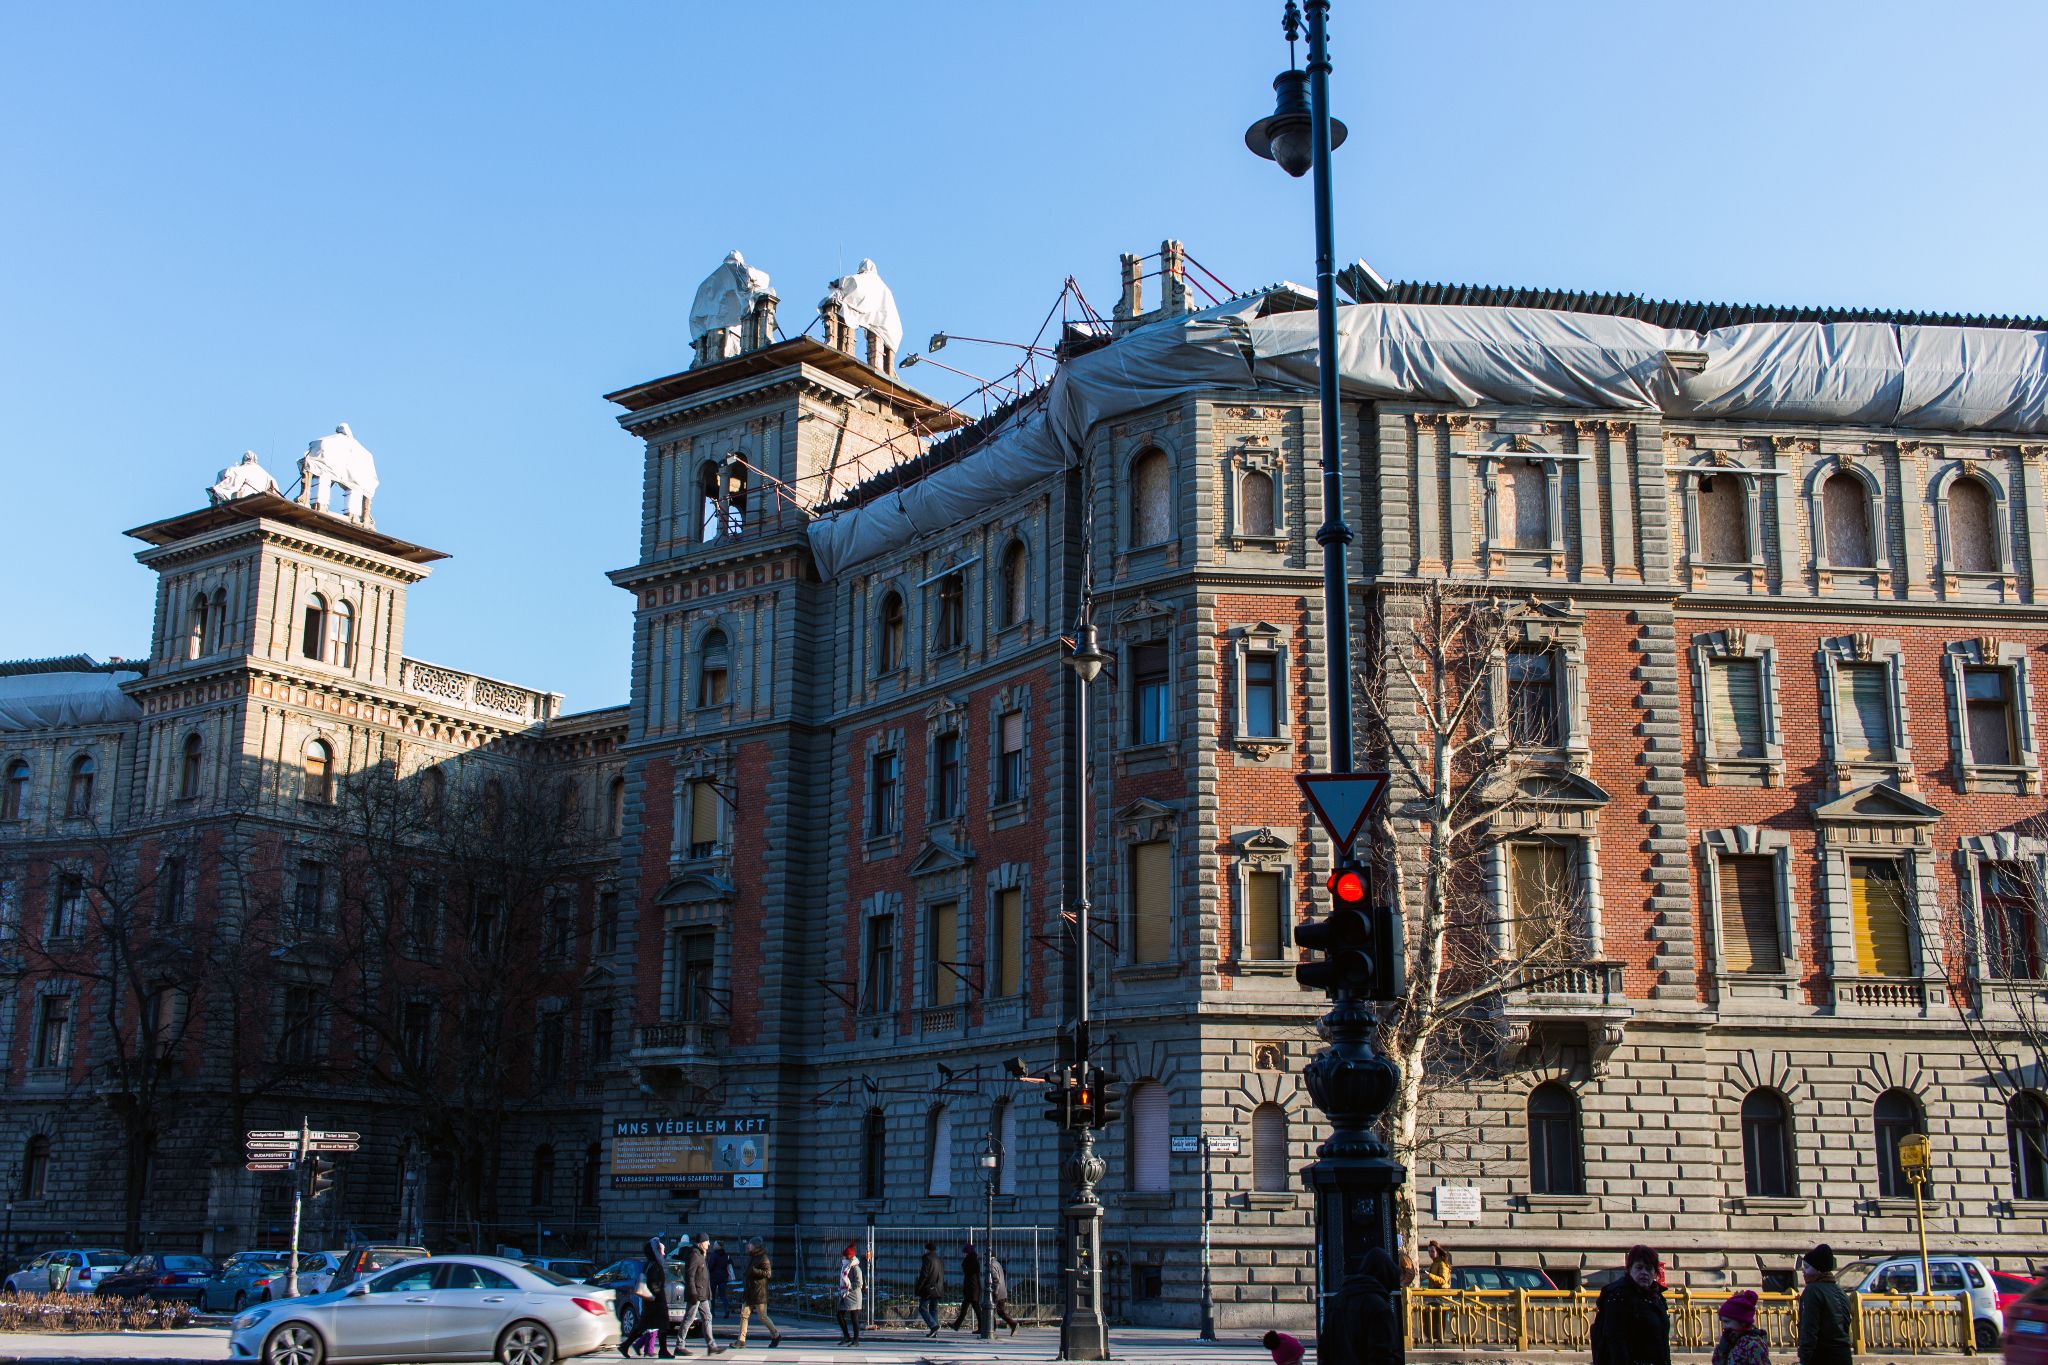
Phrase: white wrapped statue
(727, 296)
(864, 301)
(242, 480)
(339, 474)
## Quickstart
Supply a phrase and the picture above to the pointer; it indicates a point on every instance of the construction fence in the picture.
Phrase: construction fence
(1562, 1320)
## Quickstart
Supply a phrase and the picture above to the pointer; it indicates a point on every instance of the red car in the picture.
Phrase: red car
(2025, 1338)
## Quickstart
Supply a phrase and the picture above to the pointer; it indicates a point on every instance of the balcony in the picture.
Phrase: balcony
(503, 702)
(667, 1052)
(1574, 998)
(1912, 994)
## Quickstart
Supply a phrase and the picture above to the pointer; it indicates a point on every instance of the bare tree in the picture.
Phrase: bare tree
(1482, 918)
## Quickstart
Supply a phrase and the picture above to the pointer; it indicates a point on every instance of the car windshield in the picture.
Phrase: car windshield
(187, 1263)
(105, 1257)
(1855, 1272)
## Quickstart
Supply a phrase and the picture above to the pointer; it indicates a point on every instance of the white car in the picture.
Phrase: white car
(441, 1308)
(1952, 1274)
(316, 1269)
(81, 1271)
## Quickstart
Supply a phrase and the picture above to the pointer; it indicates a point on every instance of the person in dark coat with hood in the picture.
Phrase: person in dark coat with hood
(1631, 1325)
(930, 1287)
(652, 1291)
(754, 1297)
(1824, 1312)
(970, 1288)
(720, 1266)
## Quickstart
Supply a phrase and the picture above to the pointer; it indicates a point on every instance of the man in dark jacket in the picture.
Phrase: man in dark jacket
(697, 1294)
(970, 1288)
(1824, 1312)
(720, 1266)
(930, 1287)
(1630, 1323)
(754, 1296)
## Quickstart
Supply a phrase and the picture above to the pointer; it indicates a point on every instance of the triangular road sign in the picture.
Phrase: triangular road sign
(1342, 801)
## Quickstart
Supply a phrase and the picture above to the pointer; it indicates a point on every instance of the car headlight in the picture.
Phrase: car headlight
(251, 1318)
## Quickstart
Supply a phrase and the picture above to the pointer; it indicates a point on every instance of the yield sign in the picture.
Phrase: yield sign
(1342, 801)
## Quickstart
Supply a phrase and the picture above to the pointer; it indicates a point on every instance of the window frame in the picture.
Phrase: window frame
(1267, 644)
(891, 635)
(1725, 647)
(1990, 480)
(317, 784)
(1750, 481)
(714, 655)
(1863, 650)
(17, 778)
(1013, 584)
(2027, 1156)
(880, 969)
(1770, 1169)
(1257, 456)
(1553, 1172)
(2021, 773)
(949, 612)
(191, 765)
(1149, 449)
(1874, 501)
(1885, 1132)
(80, 786)
(1750, 841)
(1148, 684)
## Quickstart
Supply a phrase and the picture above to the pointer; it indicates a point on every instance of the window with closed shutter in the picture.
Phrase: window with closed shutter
(1263, 901)
(703, 819)
(1750, 940)
(1149, 1144)
(1151, 901)
(1879, 908)
(945, 940)
(1735, 700)
(939, 1152)
(1270, 1167)
(1009, 945)
(1987, 703)
(1863, 711)
(1544, 888)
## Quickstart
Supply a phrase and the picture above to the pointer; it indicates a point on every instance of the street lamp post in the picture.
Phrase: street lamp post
(991, 1165)
(1354, 1175)
(1916, 1154)
(1083, 1335)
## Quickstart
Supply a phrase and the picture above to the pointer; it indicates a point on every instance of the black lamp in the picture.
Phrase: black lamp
(1284, 136)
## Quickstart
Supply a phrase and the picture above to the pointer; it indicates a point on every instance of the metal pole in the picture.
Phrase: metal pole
(1208, 1214)
(988, 1257)
(291, 1274)
(1083, 1334)
(1920, 1217)
(1333, 535)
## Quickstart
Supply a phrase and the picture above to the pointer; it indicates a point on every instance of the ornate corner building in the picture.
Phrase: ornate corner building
(1772, 673)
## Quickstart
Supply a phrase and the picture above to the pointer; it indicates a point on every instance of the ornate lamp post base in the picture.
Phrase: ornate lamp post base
(1083, 1336)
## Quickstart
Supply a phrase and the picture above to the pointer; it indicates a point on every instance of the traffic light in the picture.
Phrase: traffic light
(319, 1176)
(1106, 1096)
(1059, 1094)
(1347, 938)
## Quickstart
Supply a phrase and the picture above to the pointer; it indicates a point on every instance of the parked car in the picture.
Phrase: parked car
(1899, 1273)
(2026, 1327)
(316, 1271)
(2010, 1288)
(154, 1275)
(359, 1261)
(80, 1269)
(579, 1268)
(1499, 1277)
(440, 1308)
(244, 1278)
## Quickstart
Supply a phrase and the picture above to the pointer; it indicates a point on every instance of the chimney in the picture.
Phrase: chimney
(1173, 279)
(1132, 301)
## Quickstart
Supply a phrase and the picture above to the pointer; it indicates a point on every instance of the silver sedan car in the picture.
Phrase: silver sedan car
(442, 1308)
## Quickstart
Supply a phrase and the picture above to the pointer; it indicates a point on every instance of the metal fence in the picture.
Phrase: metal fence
(891, 1256)
(1562, 1320)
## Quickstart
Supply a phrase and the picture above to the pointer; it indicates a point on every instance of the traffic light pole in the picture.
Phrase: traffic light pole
(291, 1274)
(1083, 1335)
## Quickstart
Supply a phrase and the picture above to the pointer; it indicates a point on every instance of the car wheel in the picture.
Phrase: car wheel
(294, 1344)
(241, 1301)
(524, 1343)
(1987, 1335)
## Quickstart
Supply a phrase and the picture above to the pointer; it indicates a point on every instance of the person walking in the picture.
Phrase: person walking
(930, 1288)
(1742, 1341)
(852, 1291)
(1631, 1325)
(999, 1292)
(1824, 1312)
(721, 1279)
(697, 1296)
(970, 1288)
(754, 1294)
(1439, 1274)
(654, 1325)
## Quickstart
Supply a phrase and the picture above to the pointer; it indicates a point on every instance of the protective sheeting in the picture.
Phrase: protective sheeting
(242, 480)
(727, 296)
(55, 701)
(867, 302)
(341, 459)
(1860, 373)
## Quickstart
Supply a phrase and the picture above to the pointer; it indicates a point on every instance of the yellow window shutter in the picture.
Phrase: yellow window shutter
(1879, 907)
(945, 953)
(703, 813)
(1009, 942)
(1151, 901)
(1262, 911)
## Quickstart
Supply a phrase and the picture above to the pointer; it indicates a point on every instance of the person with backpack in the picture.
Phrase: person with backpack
(650, 1291)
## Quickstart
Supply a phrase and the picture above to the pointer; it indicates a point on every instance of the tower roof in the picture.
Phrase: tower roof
(272, 507)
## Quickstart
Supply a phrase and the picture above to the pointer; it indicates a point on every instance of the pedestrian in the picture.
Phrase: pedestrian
(930, 1288)
(999, 1292)
(970, 1288)
(697, 1296)
(1439, 1275)
(852, 1291)
(1824, 1312)
(1742, 1341)
(1631, 1325)
(626, 1304)
(721, 1279)
(1284, 1349)
(652, 1291)
(754, 1296)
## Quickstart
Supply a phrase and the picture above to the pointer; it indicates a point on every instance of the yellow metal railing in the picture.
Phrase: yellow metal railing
(1562, 1320)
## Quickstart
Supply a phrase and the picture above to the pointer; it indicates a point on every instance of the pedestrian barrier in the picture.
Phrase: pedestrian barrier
(1562, 1320)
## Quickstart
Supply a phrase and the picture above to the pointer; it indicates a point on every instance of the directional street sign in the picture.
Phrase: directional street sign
(255, 1133)
(319, 1136)
(1342, 801)
(268, 1151)
(269, 1165)
(1224, 1144)
(334, 1147)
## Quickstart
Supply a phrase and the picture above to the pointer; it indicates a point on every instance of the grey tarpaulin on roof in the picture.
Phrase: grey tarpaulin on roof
(47, 701)
(1864, 373)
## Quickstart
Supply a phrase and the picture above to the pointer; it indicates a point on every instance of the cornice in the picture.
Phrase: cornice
(797, 379)
(282, 535)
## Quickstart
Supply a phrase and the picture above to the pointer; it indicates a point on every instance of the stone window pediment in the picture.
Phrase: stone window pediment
(937, 858)
(1264, 845)
(1146, 819)
(696, 888)
(1877, 803)
(1561, 789)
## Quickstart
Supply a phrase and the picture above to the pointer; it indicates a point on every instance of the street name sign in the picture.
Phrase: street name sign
(334, 1146)
(267, 1145)
(269, 1165)
(1342, 801)
(319, 1135)
(255, 1133)
(1187, 1144)
(1226, 1143)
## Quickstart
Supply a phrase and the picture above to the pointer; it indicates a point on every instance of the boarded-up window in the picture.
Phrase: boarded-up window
(1735, 708)
(1263, 894)
(703, 819)
(1151, 901)
(1149, 1146)
(1269, 1148)
(1525, 501)
(1863, 711)
(1845, 514)
(1255, 497)
(889, 646)
(945, 945)
(1151, 499)
(1009, 944)
(1750, 940)
(1543, 884)
(1724, 520)
(1879, 910)
(938, 1153)
(1987, 703)
(1972, 532)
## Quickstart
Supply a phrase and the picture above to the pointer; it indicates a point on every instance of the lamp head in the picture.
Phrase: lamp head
(938, 342)
(907, 361)
(1087, 658)
(1286, 135)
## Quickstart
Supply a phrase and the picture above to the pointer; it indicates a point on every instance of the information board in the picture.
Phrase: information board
(729, 1150)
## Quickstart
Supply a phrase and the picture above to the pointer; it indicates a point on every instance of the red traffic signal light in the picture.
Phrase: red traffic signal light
(1347, 884)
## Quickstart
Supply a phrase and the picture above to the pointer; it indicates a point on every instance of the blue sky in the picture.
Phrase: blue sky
(454, 226)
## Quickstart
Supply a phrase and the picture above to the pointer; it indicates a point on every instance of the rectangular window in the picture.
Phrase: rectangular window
(1262, 694)
(1009, 942)
(298, 1028)
(2005, 897)
(703, 818)
(1151, 695)
(608, 921)
(1151, 901)
(1544, 887)
(53, 1031)
(1863, 711)
(601, 1024)
(1264, 911)
(1987, 704)
(1532, 700)
(1010, 762)
(552, 1046)
(945, 947)
(423, 918)
(946, 776)
(949, 631)
(1735, 707)
(416, 1033)
(170, 891)
(882, 787)
(696, 951)
(1879, 909)
(560, 926)
(309, 897)
(1750, 940)
(67, 906)
(878, 985)
(483, 924)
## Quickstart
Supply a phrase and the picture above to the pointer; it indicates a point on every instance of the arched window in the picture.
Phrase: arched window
(874, 1145)
(707, 502)
(1972, 527)
(1151, 499)
(938, 1151)
(615, 808)
(1523, 505)
(195, 633)
(1845, 517)
(1554, 1165)
(1256, 514)
(1724, 520)
(14, 791)
(735, 498)
(712, 665)
(2026, 1137)
(78, 800)
(1004, 1130)
(189, 768)
(1894, 1118)
(1147, 1136)
(343, 655)
(314, 637)
(889, 634)
(1271, 1169)
(319, 772)
(35, 1168)
(543, 1176)
(1767, 1145)
(1016, 603)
